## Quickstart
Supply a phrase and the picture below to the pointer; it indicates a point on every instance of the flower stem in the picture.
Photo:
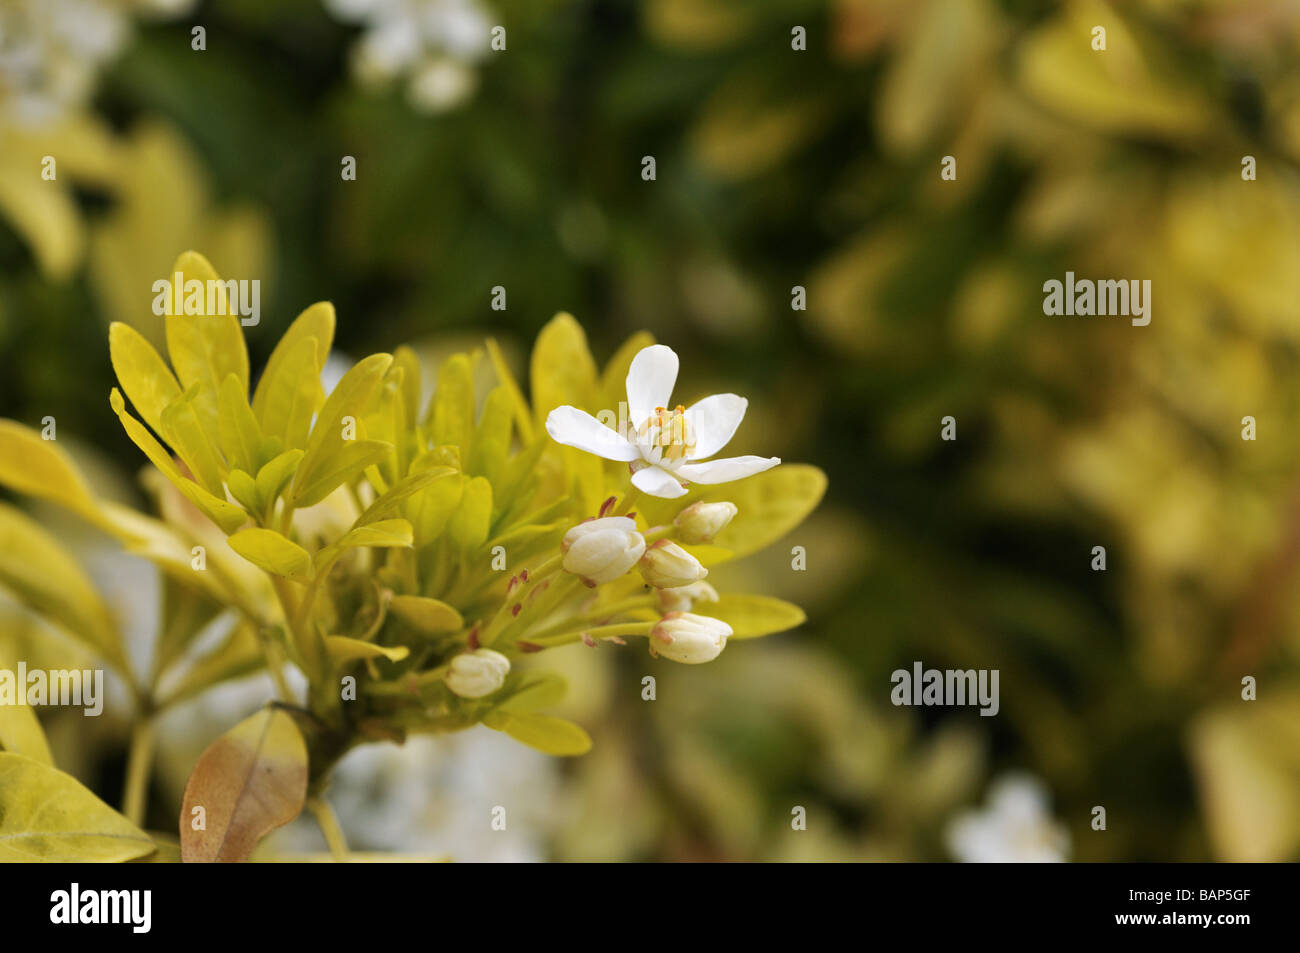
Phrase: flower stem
(599, 632)
(138, 762)
(628, 502)
(328, 823)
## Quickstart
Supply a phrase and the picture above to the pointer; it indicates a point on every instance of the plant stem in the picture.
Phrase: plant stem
(628, 502)
(138, 763)
(599, 632)
(329, 826)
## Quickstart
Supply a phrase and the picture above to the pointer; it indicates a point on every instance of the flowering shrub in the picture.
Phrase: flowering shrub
(402, 557)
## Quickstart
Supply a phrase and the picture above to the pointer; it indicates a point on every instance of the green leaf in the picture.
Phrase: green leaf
(20, 729)
(240, 436)
(427, 615)
(544, 732)
(51, 817)
(752, 616)
(385, 533)
(222, 512)
(536, 690)
(404, 358)
(562, 370)
(328, 461)
(344, 650)
(44, 577)
(206, 347)
(290, 363)
(452, 410)
(143, 374)
(292, 395)
(472, 520)
(400, 491)
(268, 550)
(249, 781)
(430, 509)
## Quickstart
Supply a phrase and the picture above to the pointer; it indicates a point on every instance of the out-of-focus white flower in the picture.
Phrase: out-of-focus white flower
(51, 51)
(478, 673)
(1015, 827)
(600, 550)
(433, 44)
(684, 598)
(667, 447)
(688, 638)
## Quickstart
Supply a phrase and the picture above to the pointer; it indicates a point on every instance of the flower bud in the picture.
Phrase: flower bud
(700, 522)
(688, 638)
(683, 598)
(666, 565)
(478, 673)
(601, 550)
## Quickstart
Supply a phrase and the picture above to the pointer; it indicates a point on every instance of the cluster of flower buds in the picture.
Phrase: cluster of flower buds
(602, 549)
(477, 673)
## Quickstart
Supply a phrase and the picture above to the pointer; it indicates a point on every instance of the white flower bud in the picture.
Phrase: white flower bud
(700, 522)
(688, 638)
(478, 673)
(683, 598)
(601, 550)
(666, 565)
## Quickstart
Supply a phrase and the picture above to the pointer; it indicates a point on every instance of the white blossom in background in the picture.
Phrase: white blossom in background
(431, 45)
(1014, 827)
(434, 797)
(51, 51)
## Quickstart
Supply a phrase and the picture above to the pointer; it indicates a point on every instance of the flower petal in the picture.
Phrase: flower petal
(650, 380)
(577, 428)
(726, 469)
(712, 422)
(657, 482)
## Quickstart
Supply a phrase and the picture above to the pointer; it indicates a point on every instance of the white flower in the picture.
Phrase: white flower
(683, 598)
(666, 447)
(1015, 827)
(478, 673)
(688, 638)
(601, 550)
(701, 521)
(666, 565)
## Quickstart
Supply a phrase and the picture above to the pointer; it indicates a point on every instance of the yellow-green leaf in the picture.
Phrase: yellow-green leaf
(452, 410)
(20, 729)
(385, 533)
(207, 346)
(328, 461)
(752, 616)
(544, 732)
(472, 520)
(536, 690)
(400, 491)
(244, 489)
(143, 374)
(427, 615)
(268, 550)
(290, 395)
(343, 650)
(51, 817)
(38, 467)
(44, 577)
(491, 446)
(405, 358)
(194, 441)
(222, 512)
(562, 370)
(345, 462)
(287, 365)
(249, 781)
(240, 436)
(271, 479)
(523, 419)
